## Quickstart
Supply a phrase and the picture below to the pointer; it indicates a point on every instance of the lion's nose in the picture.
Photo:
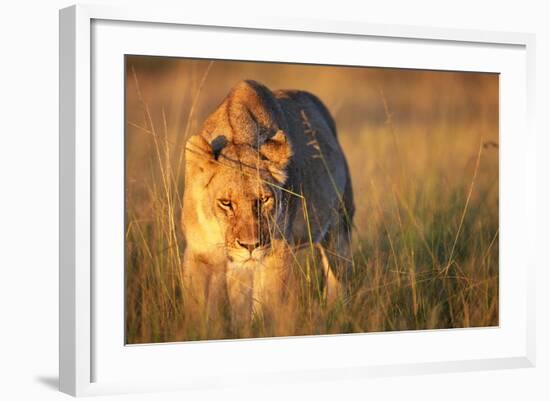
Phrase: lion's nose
(248, 245)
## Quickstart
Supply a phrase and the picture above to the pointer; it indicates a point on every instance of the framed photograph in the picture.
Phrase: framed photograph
(268, 201)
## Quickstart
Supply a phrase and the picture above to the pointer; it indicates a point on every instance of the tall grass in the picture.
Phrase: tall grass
(425, 236)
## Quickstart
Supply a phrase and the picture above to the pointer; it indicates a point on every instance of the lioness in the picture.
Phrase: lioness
(264, 176)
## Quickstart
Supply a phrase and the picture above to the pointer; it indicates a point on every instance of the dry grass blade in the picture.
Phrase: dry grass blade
(465, 209)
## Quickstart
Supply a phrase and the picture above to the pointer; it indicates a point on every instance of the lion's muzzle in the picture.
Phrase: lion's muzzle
(242, 253)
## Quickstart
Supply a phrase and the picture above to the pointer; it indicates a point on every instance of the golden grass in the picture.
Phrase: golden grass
(423, 153)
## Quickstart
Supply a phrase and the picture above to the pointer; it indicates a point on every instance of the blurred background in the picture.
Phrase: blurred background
(422, 147)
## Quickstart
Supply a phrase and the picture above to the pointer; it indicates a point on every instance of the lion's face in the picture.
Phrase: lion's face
(244, 207)
(232, 203)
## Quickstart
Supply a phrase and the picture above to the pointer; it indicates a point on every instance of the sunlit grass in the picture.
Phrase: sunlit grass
(425, 234)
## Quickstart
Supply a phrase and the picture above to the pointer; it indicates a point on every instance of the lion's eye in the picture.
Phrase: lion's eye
(265, 199)
(225, 203)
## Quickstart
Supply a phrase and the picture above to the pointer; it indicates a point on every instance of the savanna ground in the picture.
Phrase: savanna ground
(422, 147)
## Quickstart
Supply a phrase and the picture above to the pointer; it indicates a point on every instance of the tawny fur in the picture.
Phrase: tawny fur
(263, 153)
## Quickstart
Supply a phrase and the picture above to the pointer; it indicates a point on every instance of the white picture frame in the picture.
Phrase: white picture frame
(89, 363)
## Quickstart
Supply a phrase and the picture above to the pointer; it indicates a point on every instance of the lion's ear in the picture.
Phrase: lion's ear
(198, 153)
(278, 151)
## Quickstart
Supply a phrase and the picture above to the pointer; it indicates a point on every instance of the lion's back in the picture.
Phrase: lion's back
(319, 169)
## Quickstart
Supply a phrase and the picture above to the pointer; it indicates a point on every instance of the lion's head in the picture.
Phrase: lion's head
(232, 202)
